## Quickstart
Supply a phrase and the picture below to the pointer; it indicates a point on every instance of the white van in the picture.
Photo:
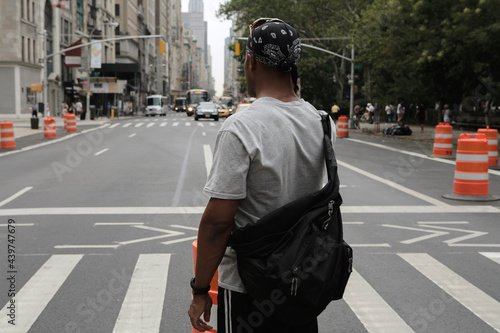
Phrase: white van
(156, 105)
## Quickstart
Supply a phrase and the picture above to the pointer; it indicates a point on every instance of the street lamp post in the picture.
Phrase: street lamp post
(89, 69)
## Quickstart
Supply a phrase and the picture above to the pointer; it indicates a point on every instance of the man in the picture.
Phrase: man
(264, 158)
(79, 109)
(335, 111)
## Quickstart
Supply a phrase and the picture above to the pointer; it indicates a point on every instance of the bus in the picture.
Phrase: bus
(193, 98)
(156, 105)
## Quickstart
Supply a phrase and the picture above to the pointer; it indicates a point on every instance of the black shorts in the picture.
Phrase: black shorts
(238, 313)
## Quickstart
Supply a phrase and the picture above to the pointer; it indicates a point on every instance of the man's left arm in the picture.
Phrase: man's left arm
(213, 234)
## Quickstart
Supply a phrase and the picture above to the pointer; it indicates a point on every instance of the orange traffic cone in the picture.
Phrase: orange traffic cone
(492, 136)
(7, 135)
(443, 141)
(343, 127)
(49, 130)
(471, 170)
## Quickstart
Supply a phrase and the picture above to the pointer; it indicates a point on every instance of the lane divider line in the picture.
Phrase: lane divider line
(15, 196)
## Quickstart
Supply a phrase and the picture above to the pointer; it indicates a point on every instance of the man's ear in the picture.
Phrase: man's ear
(252, 63)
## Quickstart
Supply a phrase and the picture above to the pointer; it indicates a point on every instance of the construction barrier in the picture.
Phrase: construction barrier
(492, 137)
(343, 127)
(443, 140)
(49, 130)
(7, 135)
(65, 116)
(214, 288)
(71, 123)
(471, 169)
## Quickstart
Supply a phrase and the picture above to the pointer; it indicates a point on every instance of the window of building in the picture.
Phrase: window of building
(79, 15)
(33, 19)
(65, 31)
(28, 55)
(23, 49)
(34, 51)
(117, 9)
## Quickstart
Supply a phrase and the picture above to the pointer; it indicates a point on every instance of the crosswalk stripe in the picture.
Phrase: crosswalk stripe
(201, 125)
(495, 256)
(474, 299)
(175, 124)
(163, 124)
(127, 125)
(150, 124)
(188, 124)
(38, 291)
(114, 125)
(139, 124)
(371, 309)
(143, 304)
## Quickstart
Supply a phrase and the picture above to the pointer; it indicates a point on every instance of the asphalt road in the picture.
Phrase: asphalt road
(102, 223)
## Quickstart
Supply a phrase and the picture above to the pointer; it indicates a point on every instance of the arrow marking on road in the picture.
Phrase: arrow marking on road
(455, 241)
(417, 239)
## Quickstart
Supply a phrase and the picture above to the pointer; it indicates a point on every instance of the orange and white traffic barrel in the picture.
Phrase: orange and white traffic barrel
(49, 128)
(65, 116)
(7, 135)
(443, 140)
(471, 169)
(214, 285)
(343, 127)
(71, 123)
(492, 137)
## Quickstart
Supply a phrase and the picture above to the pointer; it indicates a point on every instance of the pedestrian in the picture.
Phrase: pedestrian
(371, 112)
(65, 109)
(335, 112)
(72, 108)
(34, 110)
(421, 115)
(446, 114)
(401, 111)
(79, 109)
(388, 113)
(263, 158)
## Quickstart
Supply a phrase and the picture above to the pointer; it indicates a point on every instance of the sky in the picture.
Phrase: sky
(218, 30)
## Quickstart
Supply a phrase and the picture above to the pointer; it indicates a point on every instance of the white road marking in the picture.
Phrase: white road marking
(188, 124)
(199, 210)
(394, 185)
(150, 125)
(142, 307)
(87, 246)
(179, 240)
(101, 151)
(118, 223)
(376, 315)
(353, 222)
(417, 239)
(436, 159)
(139, 124)
(175, 124)
(132, 135)
(38, 291)
(163, 124)
(208, 158)
(114, 125)
(184, 227)
(473, 298)
(15, 196)
(201, 124)
(127, 125)
(495, 256)
(371, 245)
(168, 233)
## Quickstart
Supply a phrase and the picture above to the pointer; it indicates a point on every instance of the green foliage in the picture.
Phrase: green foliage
(415, 50)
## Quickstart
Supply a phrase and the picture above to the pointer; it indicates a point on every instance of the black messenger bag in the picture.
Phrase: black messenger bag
(294, 260)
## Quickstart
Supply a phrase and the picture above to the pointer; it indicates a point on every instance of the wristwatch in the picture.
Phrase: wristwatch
(199, 291)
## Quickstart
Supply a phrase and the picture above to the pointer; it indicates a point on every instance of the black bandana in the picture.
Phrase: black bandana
(276, 44)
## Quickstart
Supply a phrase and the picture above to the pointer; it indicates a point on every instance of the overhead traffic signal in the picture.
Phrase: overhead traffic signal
(237, 48)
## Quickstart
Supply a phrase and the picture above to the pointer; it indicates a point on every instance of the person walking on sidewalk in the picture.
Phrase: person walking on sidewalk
(263, 158)
(335, 112)
(421, 115)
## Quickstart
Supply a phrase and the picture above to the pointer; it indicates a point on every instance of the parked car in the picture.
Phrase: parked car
(207, 110)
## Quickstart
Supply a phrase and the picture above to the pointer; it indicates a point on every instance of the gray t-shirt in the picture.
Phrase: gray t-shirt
(265, 156)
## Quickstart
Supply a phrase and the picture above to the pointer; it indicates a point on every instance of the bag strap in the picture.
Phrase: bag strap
(330, 160)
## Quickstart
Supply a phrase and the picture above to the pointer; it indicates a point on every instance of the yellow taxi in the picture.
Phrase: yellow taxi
(242, 106)
(225, 111)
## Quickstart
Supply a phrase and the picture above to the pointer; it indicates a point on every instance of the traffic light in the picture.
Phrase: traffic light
(237, 49)
(162, 47)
